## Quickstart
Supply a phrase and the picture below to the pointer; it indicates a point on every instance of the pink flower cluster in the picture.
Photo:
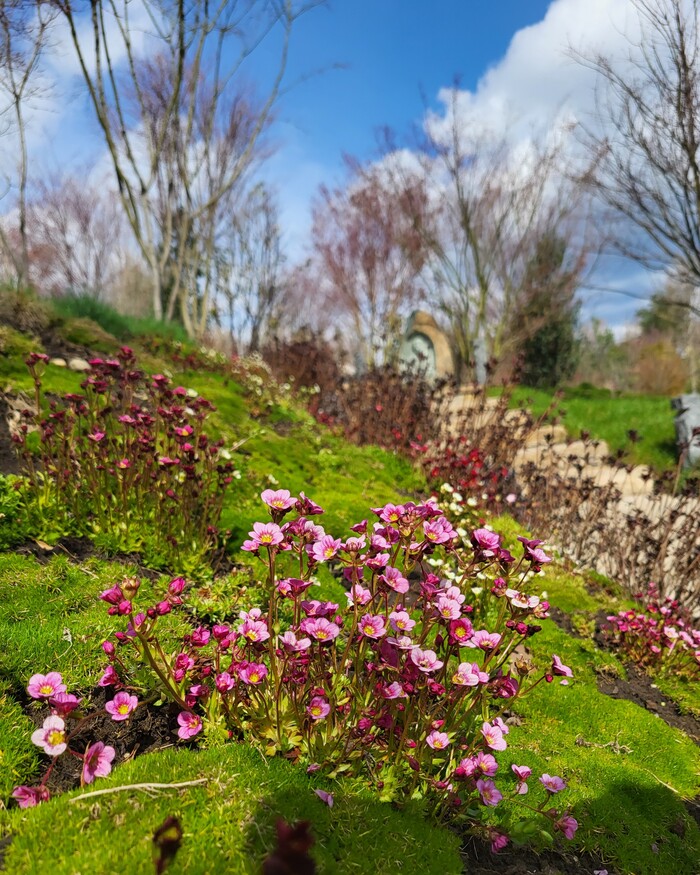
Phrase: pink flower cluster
(385, 677)
(660, 635)
(54, 736)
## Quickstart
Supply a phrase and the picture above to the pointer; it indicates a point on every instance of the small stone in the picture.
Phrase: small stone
(58, 362)
(77, 364)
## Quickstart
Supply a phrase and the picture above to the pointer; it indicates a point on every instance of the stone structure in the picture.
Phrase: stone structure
(425, 348)
(687, 420)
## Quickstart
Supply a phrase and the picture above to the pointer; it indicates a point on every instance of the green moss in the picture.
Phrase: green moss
(14, 349)
(52, 619)
(89, 334)
(19, 758)
(228, 822)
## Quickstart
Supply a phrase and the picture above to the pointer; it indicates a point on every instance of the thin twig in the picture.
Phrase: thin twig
(138, 787)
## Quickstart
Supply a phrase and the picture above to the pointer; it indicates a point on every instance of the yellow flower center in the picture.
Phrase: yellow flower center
(266, 539)
(123, 708)
(56, 737)
(46, 690)
(254, 677)
(321, 634)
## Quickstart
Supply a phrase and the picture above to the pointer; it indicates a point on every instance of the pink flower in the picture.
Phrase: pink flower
(325, 797)
(200, 637)
(425, 660)
(253, 674)
(438, 740)
(493, 736)
(490, 795)
(121, 706)
(393, 578)
(113, 595)
(486, 542)
(325, 549)
(553, 784)
(320, 629)
(64, 703)
(498, 721)
(560, 669)
(401, 621)
(254, 630)
(469, 675)
(224, 682)
(97, 761)
(438, 531)
(485, 764)
(292, 586)
(522, 773)
(533, 551)
(448, 609)
(498, 840)
(44, 686)
(358, 595)
(315, 608)
(278, 499)
(520, 600)
(461, 631)
(485, 640)
(319, 709)
(190, 724)
(291, 644)
(51, 736)
(393, 690)
(568, 825)
(28, 797)
(264, 535)
(372, 626)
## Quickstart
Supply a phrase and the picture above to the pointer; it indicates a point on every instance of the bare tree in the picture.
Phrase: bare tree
(75, 236)
(248, 270)
(198, 45)
(24, 33)
(494, 201)
(647, 138)
(368, 256)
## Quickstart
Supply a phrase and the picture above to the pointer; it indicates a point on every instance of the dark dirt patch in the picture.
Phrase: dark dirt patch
(639, 688)
(147, 729)
(78, 549)
(9, 463)
(563, 620)
(478, 860)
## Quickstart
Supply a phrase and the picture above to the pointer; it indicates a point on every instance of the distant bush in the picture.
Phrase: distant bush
(124, 328)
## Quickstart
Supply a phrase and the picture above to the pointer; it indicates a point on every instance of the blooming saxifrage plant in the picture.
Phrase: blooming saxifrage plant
(408, 684)
(660, 635)
(127, 459)
(61, 726)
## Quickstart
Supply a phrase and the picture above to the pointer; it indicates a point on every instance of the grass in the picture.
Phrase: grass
(228, 822)
(609, 417)
(125, 328)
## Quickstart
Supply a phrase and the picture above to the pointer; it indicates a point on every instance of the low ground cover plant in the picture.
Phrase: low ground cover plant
(408, 686)
(127, 460)
(659, 635)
